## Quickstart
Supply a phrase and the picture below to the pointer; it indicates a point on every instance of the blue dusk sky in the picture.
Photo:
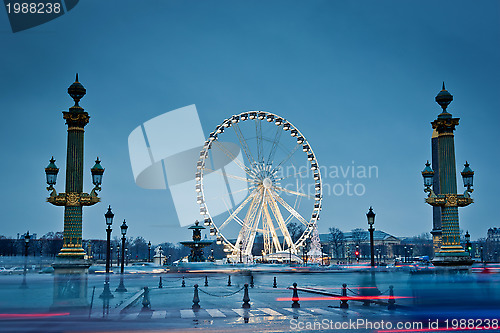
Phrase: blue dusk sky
(358, 78)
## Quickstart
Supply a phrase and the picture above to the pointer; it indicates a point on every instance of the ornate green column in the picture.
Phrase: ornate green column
(451, 252)
(71, 266)
(76, 119)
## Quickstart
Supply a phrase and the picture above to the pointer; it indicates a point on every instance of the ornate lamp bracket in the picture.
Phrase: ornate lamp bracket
(93, 193)
(73, 199)
(449, 200)
(53, 193)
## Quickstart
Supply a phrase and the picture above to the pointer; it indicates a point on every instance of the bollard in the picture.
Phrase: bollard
(275, 285)
(246, 298)
(146, 303)
(206, 281)
(391, 303)
(251, 281)
(229, 281)
(183, 282)
(295, 297)
(343, 300)
(196, 299)
(160, 285)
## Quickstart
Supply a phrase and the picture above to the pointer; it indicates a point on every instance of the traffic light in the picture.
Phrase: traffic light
(357, 255)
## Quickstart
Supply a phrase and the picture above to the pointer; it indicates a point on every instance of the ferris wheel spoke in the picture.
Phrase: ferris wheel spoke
(232, 157)
(272, 230)
(293, 192)
(276, 141)
(300, 173)
(222, 196)
(237, 210)
(249, 217)
(281, 223)
(252, 230)
(290, 209)
(287, 157)
(231, 176)
(244, 144)
(258, 134)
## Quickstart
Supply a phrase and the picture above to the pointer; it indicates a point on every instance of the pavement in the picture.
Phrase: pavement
(420, 300)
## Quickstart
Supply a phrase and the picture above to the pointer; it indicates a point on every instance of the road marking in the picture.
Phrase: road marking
(159, 315)
(320, 311)
(297, 311)
(270, 311)
(345, 312)
(242, 313)
(187, 314)
(131, 316)
(215, 313)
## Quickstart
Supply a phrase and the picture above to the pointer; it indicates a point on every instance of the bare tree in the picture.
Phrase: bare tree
(336, 240)
(296, 230)
(358, 236)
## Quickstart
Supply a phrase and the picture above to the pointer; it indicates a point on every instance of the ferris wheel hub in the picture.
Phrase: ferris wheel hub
(267, 183)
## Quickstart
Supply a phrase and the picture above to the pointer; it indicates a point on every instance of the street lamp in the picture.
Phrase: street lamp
(26, 244)
(241, 251)
(149, 251)
(371, 220)
(123, 229)
(467, 176)
(109, 221)
(482, 258)
(108, 216)
(405, 254)
(428, 175)
(51, 172)
(97, 172)
(27, 238)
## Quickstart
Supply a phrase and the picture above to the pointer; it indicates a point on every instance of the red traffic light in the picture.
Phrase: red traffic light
(357, 253)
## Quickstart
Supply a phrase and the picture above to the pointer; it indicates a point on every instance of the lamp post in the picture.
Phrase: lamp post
(27, 237)
(109, 221)
(160, 251)
(111, 256)
(304, 255)
(406, 251)
(371, 220)
(149, 251)
(482, 258)
(241, 251)
(118, 255)
(443, 181)
(123, 229)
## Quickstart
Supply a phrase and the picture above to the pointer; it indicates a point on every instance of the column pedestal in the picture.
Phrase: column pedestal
(70, 285)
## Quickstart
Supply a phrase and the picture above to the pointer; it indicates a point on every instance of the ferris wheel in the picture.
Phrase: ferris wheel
(274, 183)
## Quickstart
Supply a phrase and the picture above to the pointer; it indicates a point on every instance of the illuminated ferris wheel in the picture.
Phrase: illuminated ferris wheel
(274, 181)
